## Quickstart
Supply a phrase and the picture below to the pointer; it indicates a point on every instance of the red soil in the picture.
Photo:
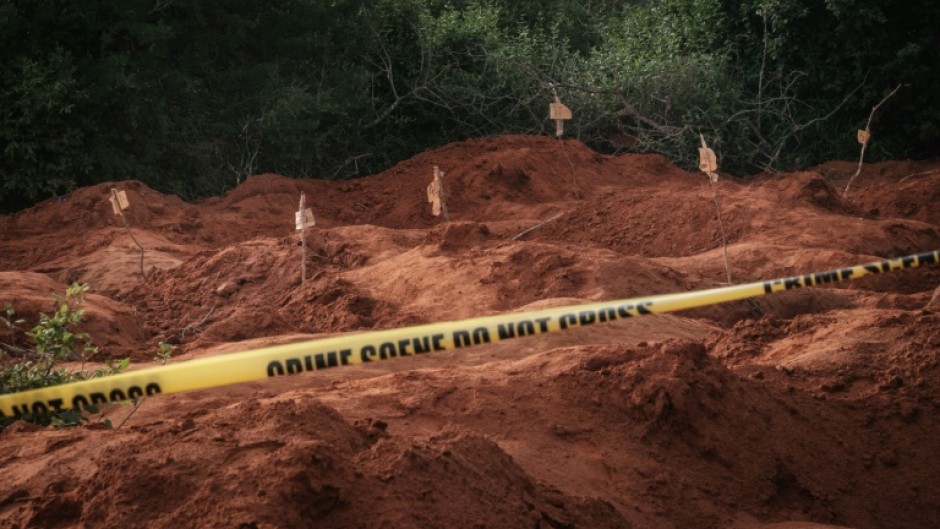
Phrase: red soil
(817, 409)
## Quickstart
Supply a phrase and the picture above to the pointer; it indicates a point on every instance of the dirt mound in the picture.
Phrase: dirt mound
(80, 238)
(905, 198)
(678, 219)
(531, 272)
(806, 409)
(642, 223)
(651, 169)
(482, 177)
(640, 426)
(812, 188)
(891, 189)
(934, 302)
(880, 355)
(90, 208)
(254, 289)
(456, 236)
(432, 285)
(112, 325)
(318, 470)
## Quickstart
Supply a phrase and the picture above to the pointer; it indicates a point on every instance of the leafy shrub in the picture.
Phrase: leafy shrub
(180, 95)
(55, 340)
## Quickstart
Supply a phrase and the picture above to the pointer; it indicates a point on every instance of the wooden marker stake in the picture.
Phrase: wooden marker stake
(303, 217)
(436, 194)
(708, 163)
(561, 113)
(864, 136)
(119, 203)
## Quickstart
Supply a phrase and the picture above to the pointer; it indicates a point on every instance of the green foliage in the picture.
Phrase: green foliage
(56, 340)
(165, 352)
(191, 96)
(11, 322)
(40, 143)
(54, 337)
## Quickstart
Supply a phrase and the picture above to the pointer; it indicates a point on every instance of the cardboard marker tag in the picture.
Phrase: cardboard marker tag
(560, 113)
(863, 136)
(304, 219)
(707, 161)
(434, 194)
(119, 201)
(558, 110)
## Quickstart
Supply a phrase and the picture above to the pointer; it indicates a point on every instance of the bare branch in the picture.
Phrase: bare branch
(14, 350)
(915, 175)
(861, 156)
(539, 225)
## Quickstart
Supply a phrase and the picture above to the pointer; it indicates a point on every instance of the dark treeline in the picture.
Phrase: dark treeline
(190, 96)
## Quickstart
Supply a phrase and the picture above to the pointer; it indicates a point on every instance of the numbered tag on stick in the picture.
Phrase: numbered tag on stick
(118, 201)
(558, 110)
(863, 136)
(707, 161)
(434, 192)
(304, 219)
(560, 113)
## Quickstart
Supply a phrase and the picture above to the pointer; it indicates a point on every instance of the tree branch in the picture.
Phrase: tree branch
(14, 350)
(861, 156)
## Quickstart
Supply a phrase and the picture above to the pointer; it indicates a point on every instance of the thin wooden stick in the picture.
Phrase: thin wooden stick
(439, 178)
(925, 173)
(574, 175)
(196, 327)
(721, 227)
(539, 225)
(14, 350)
(303, 239)
(861, 156)
(131, 233)
(137, 405)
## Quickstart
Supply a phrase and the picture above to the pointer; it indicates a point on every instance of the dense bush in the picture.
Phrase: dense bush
(191, 96)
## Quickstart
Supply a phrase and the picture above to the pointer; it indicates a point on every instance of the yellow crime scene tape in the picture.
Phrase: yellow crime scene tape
(374, 346)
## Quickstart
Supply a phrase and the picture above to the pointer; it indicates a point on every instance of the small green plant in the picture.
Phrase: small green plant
(55, 339)
(165, 352)
(163, 356)
(54, 336)
(12, 323)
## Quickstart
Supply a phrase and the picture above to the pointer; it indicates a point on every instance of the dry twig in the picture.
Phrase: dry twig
(721, 227)
(861, 156)
(120, 213)
(196, 327)
(539, 225)
(14, 350)
(925, 173)
(574, 175)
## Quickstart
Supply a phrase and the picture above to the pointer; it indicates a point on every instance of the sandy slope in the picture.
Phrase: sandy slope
(816, 410)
